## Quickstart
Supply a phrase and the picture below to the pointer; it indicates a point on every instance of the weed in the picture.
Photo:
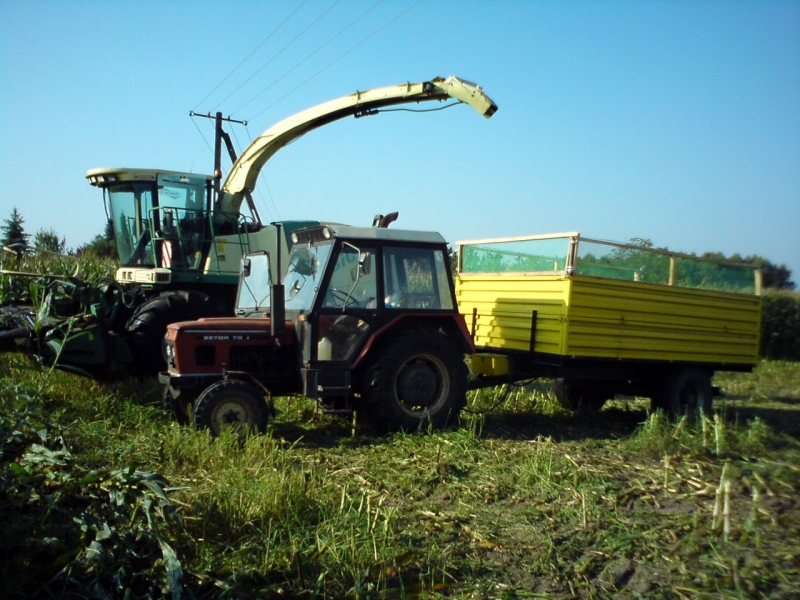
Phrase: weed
(523, 500)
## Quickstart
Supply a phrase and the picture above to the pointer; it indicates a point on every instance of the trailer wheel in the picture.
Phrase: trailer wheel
(231, 404)
(417, 380)
(687, 392)
(577, 399)
(178, 404)
(147, 326)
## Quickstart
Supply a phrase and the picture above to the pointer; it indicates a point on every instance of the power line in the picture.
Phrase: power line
(364, 14)
(330, 64)
(264, 41)
(201, 135)
(266, 185)
(262, 67)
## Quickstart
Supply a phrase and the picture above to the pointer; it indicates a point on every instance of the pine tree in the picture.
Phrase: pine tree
(13, 231)
(109, 233)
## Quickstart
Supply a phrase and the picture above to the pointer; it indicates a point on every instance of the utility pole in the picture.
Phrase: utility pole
(219, 136)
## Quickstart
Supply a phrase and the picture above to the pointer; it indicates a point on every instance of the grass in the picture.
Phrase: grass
(522, 501)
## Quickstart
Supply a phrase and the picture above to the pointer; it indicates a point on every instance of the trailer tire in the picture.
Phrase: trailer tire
(147, 326)
(415, 381)
(578, 399)
(686, 392)
(179, 405)
(231, 403)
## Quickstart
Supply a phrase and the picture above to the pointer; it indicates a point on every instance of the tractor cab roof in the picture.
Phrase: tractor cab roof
(331, 231)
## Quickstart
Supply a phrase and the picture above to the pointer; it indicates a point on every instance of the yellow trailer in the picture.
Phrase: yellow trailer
(606, 318)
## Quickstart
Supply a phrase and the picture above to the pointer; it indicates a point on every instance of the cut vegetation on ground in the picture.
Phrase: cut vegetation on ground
(102, 493)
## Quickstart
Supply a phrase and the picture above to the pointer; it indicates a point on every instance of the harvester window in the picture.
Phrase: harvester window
(131, 204)
(181, 221)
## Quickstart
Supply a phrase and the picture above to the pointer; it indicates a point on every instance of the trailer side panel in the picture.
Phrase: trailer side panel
(592, 317)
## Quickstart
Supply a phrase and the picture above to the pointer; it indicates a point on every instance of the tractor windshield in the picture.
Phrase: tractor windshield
(304, 275)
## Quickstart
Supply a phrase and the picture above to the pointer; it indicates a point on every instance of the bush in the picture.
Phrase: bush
(780, 326)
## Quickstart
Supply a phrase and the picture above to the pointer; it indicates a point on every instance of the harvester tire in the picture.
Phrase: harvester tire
(147, 326)
(416, 381)
(231, 404)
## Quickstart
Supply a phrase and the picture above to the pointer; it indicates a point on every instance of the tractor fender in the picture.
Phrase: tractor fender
(453, 325)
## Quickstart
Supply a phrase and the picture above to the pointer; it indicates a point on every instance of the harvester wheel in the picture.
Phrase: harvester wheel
(147, 326)
(231, 404)
(416, 381)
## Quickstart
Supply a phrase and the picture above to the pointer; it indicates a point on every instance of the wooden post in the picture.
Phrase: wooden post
(673, 269)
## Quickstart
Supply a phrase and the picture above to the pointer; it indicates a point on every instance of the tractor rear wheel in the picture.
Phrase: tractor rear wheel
(231, 404)
(147, 326)
(417, 380)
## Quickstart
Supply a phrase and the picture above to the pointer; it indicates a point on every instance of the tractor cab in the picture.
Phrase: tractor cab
(343, 283)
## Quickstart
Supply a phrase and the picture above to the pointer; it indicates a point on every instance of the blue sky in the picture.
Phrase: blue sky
(675, 121)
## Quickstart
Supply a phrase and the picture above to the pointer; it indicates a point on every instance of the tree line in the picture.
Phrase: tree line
(103, 245)
(17, 239)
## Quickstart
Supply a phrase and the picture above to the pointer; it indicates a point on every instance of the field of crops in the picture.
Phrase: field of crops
(104, 496)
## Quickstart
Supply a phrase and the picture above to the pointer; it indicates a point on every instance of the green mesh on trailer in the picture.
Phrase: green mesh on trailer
(548, 255)
(710, 276)
(634, 263)
(628, 263)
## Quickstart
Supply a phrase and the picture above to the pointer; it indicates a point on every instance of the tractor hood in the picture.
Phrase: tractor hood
(222, 328)
(244, 173)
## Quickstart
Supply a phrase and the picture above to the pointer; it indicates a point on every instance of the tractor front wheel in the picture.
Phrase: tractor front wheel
(231, 404)
(179, 404)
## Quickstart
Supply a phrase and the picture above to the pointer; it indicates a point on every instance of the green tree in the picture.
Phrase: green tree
(776, 277)
(109, 232)
(13, 231)
(102, 245)
(48, 239)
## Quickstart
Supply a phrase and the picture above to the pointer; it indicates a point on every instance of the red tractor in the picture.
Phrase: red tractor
(366, 319)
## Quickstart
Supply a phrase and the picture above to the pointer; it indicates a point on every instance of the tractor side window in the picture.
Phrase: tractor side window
(255, 283)
(131, 205)
(415, 278)
(353, 283)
